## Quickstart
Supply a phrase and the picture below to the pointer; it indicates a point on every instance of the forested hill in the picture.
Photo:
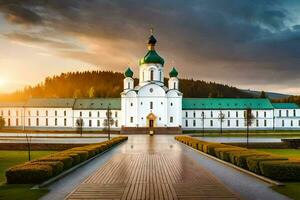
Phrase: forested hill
(110, 84)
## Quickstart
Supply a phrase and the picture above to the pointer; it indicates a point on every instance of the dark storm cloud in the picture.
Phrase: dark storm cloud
(19, 14)
(25, 38)
(244, 40)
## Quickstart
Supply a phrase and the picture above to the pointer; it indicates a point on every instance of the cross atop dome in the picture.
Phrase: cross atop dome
(151, 56)
(152, 41)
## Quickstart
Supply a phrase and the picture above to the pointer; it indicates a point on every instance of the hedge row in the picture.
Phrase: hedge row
(44, 168)
(265, 164)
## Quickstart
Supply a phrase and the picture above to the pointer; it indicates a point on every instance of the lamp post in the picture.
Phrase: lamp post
(202, 117)
(108, 121)
(248, 120)
(221, 118)
(79, 124)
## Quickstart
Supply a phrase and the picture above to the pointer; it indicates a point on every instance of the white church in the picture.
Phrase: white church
(150, 105)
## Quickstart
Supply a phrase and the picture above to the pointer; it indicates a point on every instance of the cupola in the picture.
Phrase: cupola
(151, 56)
(173, 72)
(128, 73)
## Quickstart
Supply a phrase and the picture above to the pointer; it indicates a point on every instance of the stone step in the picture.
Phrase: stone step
(146, 130)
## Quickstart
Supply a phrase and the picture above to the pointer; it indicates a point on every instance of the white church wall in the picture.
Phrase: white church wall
(233, 119)
(48, 117)
(12, 116)
(152, 99)
(94, 119)
(174, 111)
(287, 118)
(145, 73)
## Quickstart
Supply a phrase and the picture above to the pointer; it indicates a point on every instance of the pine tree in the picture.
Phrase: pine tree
(263, 95)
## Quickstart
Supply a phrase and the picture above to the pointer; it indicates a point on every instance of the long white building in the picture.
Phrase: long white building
(150, 105)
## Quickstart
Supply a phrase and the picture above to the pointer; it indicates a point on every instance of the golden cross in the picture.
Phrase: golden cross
(151, 30)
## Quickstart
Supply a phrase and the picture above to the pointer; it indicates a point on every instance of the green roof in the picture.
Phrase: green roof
(128, 72)
(12, 104)
(173, 72)
(285, 105)
(97, 103)
(152, 57)
(51, 102)
(225, 103)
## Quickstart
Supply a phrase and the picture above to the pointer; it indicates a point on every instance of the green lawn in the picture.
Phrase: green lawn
(16, 192)
(291, 190)
(292, 153)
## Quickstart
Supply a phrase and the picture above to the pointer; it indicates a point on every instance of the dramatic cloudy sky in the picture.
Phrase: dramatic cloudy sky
(245, 43)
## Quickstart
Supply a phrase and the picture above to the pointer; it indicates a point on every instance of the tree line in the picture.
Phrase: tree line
(90, 84)
(290, 99)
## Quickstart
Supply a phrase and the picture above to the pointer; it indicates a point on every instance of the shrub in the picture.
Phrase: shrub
(220, 152)
(44, 168)
(226, 155)
(33, 173)
(75, 156)
(281, 170)
(83, 155)
(274, 167)
(253, 162)
(209, 148)
(66, 160)
(57, 166)
(91, 152)
(239, 157)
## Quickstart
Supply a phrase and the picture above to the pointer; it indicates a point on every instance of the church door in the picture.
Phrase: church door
(151, 120)
(151, 123)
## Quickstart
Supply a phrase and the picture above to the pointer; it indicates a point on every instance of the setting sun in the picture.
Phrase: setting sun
(2, 82)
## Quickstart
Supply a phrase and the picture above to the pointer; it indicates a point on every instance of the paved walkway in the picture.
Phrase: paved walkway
(151, 169)
(171, 164)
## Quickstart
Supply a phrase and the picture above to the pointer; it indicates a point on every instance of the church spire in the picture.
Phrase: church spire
(151, 56)
(151, 41)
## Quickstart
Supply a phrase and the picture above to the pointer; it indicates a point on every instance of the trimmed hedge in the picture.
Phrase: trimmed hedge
(253, 162)
(223, 152)
(57, 166)
(268, 165)
(42, 169)
(281, 170)
(239, 157)
(29, 173)
(65, 159)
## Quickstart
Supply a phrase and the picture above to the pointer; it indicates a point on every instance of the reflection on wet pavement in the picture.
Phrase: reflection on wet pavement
(151, 168)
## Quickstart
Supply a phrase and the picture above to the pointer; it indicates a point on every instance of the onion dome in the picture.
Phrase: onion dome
(173, 73)
(128, 73)
(152, 40)
(151, 56)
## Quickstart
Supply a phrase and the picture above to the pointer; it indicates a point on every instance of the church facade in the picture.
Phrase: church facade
(150, 105)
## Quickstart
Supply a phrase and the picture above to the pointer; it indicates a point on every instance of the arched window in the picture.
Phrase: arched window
(174, 85)
(160, 76)
(151, 75)
(143, 76)
(151, 105)
(128, 86)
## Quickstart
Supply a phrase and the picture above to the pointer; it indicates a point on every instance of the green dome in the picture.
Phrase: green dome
(128, 72)
(173, 72)
(152, 57)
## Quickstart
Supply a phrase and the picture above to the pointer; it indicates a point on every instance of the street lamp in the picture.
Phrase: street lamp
(202, 117)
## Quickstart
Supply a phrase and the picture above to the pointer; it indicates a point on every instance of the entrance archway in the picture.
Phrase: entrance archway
(151, 120)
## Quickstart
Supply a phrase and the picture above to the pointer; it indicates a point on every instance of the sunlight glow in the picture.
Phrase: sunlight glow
(2, 83)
